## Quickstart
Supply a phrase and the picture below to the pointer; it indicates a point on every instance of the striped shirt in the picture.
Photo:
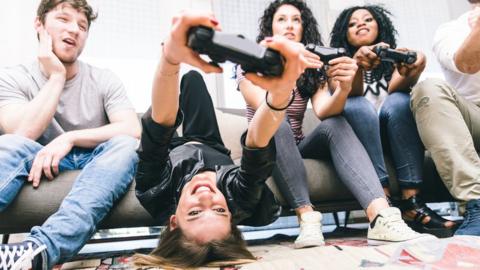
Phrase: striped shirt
(295, 112)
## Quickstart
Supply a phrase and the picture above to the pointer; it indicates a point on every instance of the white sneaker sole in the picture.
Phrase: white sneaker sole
(377, 242)
(307, 244)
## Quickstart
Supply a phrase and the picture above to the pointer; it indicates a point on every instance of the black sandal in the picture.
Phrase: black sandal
(436, 224)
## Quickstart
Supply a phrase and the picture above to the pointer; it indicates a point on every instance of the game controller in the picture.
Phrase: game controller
(390, 55)
(221, 47)
(326, 53)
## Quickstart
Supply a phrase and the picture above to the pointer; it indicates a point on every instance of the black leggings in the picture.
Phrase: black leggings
(199, 123)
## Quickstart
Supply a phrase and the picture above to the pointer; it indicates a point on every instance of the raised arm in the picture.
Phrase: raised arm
(175, 51)
(267, 119)
(467, 57)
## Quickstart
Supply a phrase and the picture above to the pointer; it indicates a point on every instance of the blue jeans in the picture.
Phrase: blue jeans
(401, 139)
(395, 127)
(107, 171)
(363, 118)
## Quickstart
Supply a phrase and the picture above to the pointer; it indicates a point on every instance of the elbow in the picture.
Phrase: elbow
(322, 115)
(26, 133)
(137, 132)
(467, 67)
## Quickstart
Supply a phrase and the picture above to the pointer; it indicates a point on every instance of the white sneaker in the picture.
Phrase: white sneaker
(389, 227)
(310, 230)
(21, 256)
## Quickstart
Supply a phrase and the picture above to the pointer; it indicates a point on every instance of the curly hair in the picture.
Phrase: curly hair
(386, 33)
(309, 82)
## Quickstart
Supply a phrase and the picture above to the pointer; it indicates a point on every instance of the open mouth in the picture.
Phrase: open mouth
(363, 31)
(202, 187)
(70, 42)
(289, 35)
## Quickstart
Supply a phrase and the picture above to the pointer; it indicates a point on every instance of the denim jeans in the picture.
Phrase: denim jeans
(332, 139)
(107, 171)
(400, 138)
(363, 118)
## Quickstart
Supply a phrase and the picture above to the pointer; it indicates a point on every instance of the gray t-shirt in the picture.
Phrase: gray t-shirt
(87, 100)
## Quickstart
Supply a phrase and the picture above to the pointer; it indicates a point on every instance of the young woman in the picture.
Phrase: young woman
(333, 138)
(190, 182)
(385, 86)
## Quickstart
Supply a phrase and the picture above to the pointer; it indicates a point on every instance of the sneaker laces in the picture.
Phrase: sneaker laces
(24, 262)
(396, 223)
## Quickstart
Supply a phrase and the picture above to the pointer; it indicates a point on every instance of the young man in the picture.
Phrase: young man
(448, 115)
(74, 116)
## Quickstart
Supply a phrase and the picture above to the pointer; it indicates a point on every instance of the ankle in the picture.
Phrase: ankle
(303, 209)
(407, 193)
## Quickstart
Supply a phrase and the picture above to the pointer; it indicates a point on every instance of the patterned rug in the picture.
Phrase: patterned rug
(458, 253)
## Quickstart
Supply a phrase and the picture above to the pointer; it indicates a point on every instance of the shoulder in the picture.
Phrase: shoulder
(455, 27)
(16, 75)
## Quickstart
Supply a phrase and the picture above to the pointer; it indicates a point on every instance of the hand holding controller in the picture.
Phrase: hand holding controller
(221, 47)
(326, 53)
(390, 55)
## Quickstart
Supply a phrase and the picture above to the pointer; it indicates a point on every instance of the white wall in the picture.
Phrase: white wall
(125, 38)
(127, 35)
(415, 21)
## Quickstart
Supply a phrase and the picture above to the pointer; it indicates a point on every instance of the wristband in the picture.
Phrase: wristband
(279, 109)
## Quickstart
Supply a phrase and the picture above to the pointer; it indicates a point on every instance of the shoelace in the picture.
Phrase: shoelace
(397, 224)
(7, 256)
(24, 262)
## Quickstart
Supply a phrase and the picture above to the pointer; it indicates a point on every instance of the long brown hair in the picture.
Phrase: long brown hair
(174, 251)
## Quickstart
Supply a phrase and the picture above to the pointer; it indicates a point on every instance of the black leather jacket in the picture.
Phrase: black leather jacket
(164, 169)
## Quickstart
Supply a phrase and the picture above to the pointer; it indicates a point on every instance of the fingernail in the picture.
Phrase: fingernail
(269, 39)
(214, 22)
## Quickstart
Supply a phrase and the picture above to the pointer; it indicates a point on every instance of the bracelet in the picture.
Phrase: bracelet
(279, 109)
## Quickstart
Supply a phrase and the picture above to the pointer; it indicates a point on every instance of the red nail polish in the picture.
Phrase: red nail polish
(214, 22)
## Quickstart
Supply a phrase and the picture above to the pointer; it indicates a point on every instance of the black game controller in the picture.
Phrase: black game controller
(390, 55)
(326, 53)
(221, 47)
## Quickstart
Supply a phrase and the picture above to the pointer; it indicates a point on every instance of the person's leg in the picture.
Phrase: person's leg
(107, 172)
(335, 138)
(406, 148)
(363, 118)
(449, 127)
(290, 177)
(398, 127)
(289, 173)
(200, 122)
(356, 171)
(16, 156)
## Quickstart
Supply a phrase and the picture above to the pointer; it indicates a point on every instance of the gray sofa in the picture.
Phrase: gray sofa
(328, 194)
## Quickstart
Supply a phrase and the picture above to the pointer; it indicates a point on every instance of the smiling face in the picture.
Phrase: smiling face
(287, 21)
(362, 29)
(202, 211)
(68, 29)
